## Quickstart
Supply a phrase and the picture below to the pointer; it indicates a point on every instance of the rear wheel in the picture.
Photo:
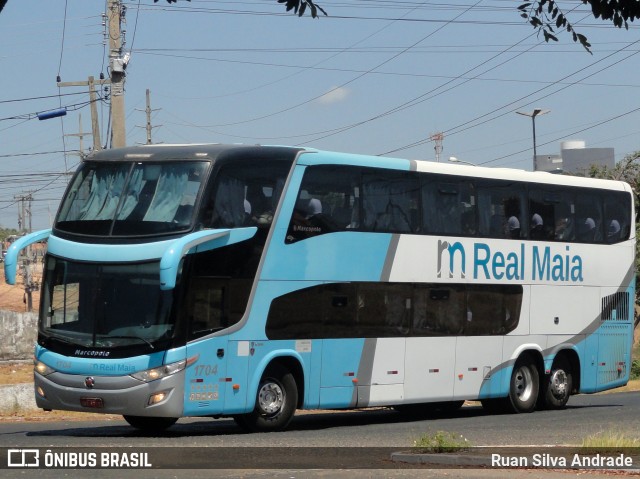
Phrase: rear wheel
(150, 423)
(275, 404)
(524, 385)
(558, 386)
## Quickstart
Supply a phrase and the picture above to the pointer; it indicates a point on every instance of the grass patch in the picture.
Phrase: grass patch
(442, 441)
(609, 441)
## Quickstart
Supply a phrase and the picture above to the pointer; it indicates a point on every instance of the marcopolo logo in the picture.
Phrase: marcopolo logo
(524, 262)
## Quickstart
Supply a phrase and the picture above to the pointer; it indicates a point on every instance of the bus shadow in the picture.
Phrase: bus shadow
(303, 421)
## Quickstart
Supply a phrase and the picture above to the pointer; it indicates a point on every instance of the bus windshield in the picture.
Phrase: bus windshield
(105, 305)
(132, 198)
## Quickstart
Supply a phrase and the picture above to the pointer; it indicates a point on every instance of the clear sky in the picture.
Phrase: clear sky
(375, 77)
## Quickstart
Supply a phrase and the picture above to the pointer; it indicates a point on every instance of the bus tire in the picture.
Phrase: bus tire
(145, 423)
(558, 386)
(276, 402)
(524, 386)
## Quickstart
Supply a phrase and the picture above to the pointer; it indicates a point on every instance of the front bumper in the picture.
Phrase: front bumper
(117, 394)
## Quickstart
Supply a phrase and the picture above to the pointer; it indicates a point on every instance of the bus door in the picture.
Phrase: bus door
(206, 314)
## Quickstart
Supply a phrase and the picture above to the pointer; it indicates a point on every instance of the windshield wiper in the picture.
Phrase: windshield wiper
(140, 338)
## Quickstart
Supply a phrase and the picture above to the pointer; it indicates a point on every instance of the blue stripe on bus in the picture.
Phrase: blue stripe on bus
(345, 258)
(334, 158)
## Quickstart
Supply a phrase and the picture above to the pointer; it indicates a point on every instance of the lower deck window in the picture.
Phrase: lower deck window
(368, 310)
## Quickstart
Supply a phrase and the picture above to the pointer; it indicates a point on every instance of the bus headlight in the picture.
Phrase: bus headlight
(160, 372)
(42, 369)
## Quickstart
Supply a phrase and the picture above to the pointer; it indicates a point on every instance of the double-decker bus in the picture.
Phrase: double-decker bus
(251, 281)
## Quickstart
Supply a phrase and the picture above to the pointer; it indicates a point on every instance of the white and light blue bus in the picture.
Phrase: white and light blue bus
(251, 281)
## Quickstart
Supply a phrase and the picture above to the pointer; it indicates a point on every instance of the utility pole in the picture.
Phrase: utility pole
(95, 127)
(24, 211)
(148, 111)
(117, 63)
(80, 136)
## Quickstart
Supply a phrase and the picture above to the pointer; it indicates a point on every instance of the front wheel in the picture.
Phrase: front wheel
(557, 388)
(524, 386)
(275, 404)
(150, 424)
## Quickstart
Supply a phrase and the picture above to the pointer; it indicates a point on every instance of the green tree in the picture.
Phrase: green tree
(4, 232)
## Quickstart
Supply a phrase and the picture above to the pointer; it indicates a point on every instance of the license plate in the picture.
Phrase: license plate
(95, 403)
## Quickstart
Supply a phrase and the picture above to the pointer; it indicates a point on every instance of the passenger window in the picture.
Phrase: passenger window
(553, 215)
(617, 210)
(328, 202)
(502, 210)
(390, 202)
(589, 221)
(449, 207)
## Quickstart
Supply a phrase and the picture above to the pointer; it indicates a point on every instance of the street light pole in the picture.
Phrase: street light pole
(533, 114)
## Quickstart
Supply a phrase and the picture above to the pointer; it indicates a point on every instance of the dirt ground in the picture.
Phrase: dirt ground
(12, 298)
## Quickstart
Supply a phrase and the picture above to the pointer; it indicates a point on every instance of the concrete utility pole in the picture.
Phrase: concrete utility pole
(95, 127)
(149, 127)
(24, 212)
(81, 134)
(117, 63)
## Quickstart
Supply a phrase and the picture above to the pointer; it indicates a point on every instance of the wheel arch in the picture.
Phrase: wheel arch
(569, 353)
(535, 355)
(287, 359)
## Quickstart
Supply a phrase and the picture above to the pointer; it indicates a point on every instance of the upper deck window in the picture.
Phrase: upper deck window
(130, 199)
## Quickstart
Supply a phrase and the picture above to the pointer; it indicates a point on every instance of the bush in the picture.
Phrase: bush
(442, 442)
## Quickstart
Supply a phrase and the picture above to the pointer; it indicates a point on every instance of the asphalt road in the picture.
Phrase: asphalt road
(321, 431)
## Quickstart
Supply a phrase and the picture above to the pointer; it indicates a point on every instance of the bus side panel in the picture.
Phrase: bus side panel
(344, 363)
(236, 379)
(429, 369)
(476, 360)
(589, 364)
(205, 383)
(615, 337)
(614, 362)
(385, 385)
(563, 309)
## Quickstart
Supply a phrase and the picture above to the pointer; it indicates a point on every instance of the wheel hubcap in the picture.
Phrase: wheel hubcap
(523, 384)
(270, 398)
(558, 383)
